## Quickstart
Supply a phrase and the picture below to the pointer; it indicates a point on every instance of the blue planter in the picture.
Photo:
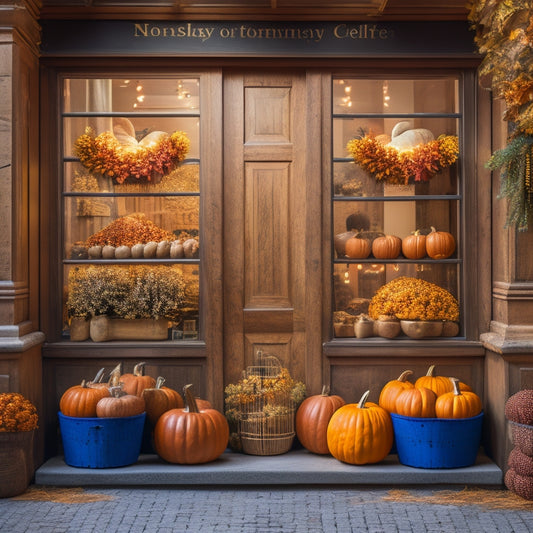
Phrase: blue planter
(101, 442)
(437, 442)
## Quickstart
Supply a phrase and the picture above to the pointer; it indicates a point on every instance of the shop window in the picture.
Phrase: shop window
(396, 171)
(131, 207)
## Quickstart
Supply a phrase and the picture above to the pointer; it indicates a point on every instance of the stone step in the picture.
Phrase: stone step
(297, 467)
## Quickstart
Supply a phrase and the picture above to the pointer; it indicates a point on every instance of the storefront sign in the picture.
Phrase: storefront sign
(240, 39)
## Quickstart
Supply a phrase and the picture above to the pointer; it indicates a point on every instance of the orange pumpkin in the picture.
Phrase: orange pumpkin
(387, 247)
(191, 435)
(439, 244)
(357, 248)
(119, 404)
(392, 389)
(438, 384)
(136, 382)
(81, 400)
(414, 245)
(312, 419)
(416, 402)
(360, 433)
(160, 399)
(458, 404)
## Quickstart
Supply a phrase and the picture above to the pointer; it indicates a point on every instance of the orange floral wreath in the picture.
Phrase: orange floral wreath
(390, 165)
(105, 155)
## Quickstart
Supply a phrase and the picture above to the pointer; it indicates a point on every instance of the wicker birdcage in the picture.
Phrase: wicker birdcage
(263, 406)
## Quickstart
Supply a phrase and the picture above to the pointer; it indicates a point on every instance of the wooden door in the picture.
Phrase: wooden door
(272, 222)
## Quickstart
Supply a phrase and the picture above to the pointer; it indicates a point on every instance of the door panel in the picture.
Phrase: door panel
(268, 172)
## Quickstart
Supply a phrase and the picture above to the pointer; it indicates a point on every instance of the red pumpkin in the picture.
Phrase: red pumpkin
(159, 400)
(440, 244)
(119, 404)
(360, 433)
(386, 247)
(136, 382)
(357, 248)
(392, 389)
(312, 419)
(191, 435)
(80, 400)
(414, 245)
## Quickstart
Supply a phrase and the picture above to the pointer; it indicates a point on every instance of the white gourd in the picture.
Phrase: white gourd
(403, 137)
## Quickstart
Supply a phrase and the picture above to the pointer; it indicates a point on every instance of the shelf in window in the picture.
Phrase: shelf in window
(374, 260)
(410, 198)
(130, 261)
(397, 115)
(126, 194)
(130, 114)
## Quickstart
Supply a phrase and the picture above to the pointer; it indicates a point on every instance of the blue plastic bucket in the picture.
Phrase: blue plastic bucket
(437, 442)
(101, 442)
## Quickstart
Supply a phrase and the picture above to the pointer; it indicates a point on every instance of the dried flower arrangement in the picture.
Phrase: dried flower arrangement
(409, 298)
(17, 413)
(104, 154)
(132, 291)
(388, 164)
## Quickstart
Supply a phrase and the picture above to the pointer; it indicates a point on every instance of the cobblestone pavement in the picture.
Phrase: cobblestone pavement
(261, 510)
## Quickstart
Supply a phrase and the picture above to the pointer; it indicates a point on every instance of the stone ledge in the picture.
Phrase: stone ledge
(298, 467)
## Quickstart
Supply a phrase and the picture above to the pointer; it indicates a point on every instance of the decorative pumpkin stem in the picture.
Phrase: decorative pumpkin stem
(456, 387)
(117, 391)
(363, 400)
(114, 377)
(325, 390)
(404, 375)
(159, 382)
(99, 376)
(138, 370)
(430, 371)
(190, 400)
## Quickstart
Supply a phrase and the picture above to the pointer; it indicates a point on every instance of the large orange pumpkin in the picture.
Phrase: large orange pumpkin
(439, 244)
(136, 382)
(417, 402)
(119, 404)
(392, 389)
(357, 248)
(191, 435)
(160, 399)
(438, 384)
(360, 433)
(458, 404)
(414, 245)
(312, 419)
(81, 400)
(386, 247)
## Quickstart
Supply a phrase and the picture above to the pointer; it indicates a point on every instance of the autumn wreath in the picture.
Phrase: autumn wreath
(154, 156)
(389, 164)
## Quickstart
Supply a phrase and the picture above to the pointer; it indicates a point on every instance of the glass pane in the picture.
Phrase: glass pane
(436, 95)
(169, 292)
(148, 95)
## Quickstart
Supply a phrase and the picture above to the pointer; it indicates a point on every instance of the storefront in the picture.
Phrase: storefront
(243, 245)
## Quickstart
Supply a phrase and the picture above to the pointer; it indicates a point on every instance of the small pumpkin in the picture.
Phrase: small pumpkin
(160, 399)
(386, 247)
(80, 400)
(136, 382)
(191, 435)
(357, 248)
(416, 402)
(360, 433)
(438, 384)
(439, 244)
(414, 245)
(119, 404)
(458, 404)
(392, 389)
(403, 137)
(312, 419)
(339, 242)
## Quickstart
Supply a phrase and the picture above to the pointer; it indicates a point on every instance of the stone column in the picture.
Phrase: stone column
(20, 340)
(509, 343)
